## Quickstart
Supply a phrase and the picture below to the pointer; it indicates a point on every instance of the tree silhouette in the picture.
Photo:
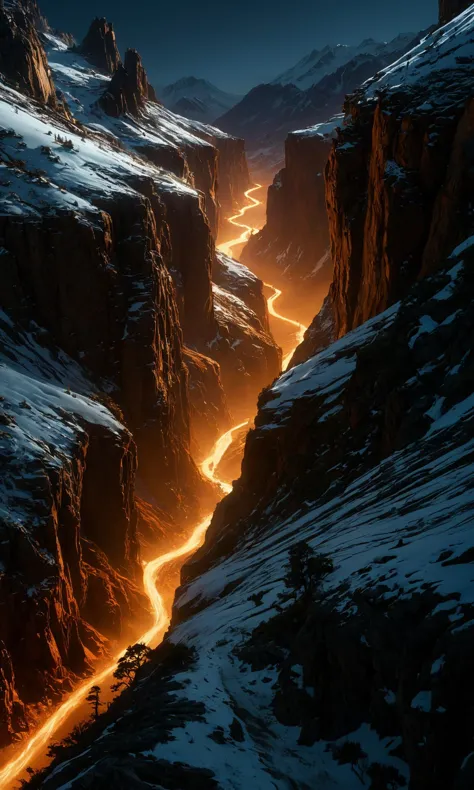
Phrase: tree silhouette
(306, 569)
(350, 753)
(93, 698)
(385, 777)
(129, 664)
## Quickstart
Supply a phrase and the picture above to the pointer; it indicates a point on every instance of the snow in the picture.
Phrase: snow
(326, 131)
(433, 58)
(320, 63)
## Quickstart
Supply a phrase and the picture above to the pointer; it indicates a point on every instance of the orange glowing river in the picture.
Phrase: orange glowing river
(247, 231)
(36, 745)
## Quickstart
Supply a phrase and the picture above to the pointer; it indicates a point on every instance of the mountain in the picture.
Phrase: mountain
(323, 636)
(197, 99)
(269, 112)
(320, 63)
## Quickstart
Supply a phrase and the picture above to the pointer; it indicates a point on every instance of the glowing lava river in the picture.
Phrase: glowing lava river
(33, 748)
(247, 231)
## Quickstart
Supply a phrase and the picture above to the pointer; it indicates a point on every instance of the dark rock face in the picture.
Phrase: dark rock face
(129, 89)
(209, 416)
(100, 47)
(69, 549)
(295, 239)
(448, 9)
(319, 334)
(22, 57)
(233, 172)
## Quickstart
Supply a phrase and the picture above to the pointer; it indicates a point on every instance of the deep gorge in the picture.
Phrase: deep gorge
(145, 422)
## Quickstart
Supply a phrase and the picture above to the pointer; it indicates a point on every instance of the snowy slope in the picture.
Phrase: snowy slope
(399, 530)
(198, 99)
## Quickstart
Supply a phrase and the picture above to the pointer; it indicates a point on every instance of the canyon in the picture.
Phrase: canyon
(145, 421)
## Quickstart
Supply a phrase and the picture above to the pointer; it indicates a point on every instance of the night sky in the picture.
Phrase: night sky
(238, 45)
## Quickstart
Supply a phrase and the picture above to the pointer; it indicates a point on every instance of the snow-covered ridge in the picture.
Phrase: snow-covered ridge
(442, 52)
(320, 63)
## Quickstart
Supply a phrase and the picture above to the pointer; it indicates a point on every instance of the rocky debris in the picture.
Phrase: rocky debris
(22, 57)
(100, 47)
(448, 9)
(209, 415)
(129, 89)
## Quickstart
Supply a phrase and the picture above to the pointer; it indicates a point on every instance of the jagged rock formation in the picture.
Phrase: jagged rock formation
(100, 47)
(129, 89)
(294, 243)
(22, 58)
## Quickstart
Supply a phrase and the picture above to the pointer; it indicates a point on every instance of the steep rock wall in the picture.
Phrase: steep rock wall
(22, 57)
(398, 184)
(100, 46)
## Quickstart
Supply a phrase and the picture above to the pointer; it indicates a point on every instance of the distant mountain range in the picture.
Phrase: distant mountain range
(197, 99)
(308, 93)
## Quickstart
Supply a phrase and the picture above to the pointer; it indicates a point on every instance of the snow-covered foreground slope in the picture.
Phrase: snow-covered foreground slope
(365, 452)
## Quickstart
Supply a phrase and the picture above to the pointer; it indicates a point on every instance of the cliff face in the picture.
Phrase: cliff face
(399, 178)
(232, 172)
(69, 549)
(100, 47)
(295, 239)
(448, 9)
(22, 57)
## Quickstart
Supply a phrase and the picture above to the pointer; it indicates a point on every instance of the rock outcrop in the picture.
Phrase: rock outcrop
(22, 58)
(100, 47)
(129, 89)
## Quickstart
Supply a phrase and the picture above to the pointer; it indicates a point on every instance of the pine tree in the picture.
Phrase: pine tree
(306, 569)
(93, 698)
(129, 664)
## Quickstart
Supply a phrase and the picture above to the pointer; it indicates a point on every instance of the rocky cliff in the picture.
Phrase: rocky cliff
(399, 176)
(293, 246)
(69, 550)
(22, 58)
(100, 47)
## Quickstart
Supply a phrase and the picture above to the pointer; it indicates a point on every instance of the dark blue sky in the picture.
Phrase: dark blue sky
(238, 45)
